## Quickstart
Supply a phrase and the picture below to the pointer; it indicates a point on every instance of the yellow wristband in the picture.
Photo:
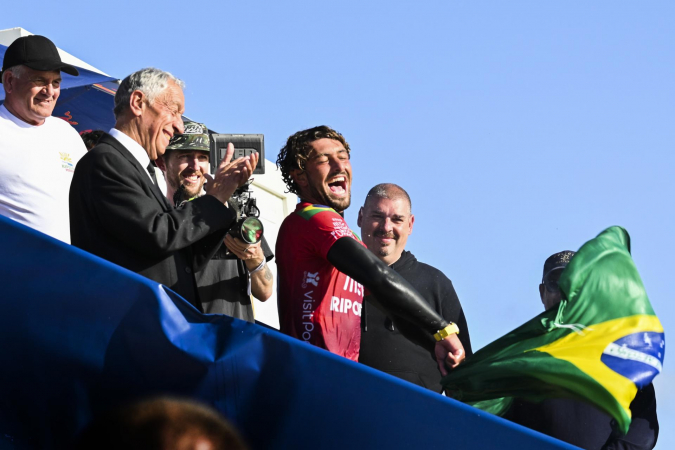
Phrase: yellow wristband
(452, 328)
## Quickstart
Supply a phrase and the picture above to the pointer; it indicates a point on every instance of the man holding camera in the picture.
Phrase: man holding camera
(323, 266)
(238, 269)
(118, 212)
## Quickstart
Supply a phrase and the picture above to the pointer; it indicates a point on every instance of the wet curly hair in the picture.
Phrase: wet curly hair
(294, 154)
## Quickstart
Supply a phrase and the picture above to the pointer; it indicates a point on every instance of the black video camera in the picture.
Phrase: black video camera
(248, 226)
(244, 145)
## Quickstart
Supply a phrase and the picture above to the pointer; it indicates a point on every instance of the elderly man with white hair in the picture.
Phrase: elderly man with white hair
(38, 151)
(116, 209)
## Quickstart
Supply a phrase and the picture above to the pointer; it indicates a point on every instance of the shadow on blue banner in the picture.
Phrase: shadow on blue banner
(80, 335)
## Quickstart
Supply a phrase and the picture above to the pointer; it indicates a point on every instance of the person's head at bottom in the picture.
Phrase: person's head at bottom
(161, 424)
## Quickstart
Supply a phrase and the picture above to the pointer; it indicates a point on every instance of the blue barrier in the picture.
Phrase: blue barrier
(80, 335)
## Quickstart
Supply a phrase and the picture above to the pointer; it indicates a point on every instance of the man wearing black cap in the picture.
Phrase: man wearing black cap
(39, 152)
(553, 267)
(576, 422)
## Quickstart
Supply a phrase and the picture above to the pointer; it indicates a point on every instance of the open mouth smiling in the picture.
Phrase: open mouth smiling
(338, 185)
(192, 178)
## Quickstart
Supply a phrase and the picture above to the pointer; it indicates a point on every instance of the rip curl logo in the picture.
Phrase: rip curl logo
(638, 356)
(311, 278)
(66, 162)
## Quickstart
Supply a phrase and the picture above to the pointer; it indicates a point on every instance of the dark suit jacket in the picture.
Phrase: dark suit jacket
(117, 213)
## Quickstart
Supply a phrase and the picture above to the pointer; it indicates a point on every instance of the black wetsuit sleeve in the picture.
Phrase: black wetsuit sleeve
(354, 260)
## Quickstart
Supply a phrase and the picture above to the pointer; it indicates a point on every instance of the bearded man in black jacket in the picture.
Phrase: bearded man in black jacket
(391, 343)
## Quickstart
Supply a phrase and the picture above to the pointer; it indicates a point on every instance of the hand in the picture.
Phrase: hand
(251, 254)
(449, 353)
(230, 175)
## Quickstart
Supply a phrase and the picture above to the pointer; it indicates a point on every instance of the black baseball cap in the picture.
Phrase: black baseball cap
(36, 52)
(557, 261)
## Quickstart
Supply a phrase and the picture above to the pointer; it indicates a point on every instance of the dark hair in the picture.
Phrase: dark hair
(91, 138)
(294, 154)
(160, 424)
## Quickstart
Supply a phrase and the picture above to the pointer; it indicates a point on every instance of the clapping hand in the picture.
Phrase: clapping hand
(230, 175)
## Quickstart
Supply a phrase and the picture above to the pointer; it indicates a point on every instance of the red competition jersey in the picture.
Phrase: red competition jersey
(317, 303)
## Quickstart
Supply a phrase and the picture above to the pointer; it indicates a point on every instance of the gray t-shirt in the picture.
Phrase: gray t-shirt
(222, 284)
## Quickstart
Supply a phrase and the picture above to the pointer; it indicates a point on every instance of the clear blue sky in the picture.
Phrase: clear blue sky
(519, 128)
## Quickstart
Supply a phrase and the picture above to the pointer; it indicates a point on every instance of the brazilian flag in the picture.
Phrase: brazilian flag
(600, 345)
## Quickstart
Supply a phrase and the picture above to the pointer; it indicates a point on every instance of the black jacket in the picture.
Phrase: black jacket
(583, 425)
(117, 213)
(397, 346)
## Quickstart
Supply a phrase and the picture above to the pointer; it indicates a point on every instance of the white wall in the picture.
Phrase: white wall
(274, 205)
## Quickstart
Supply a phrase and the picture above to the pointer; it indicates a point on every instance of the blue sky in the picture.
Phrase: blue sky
(519, 128)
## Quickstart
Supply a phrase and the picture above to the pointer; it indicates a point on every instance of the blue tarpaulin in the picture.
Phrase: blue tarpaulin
(80, 334)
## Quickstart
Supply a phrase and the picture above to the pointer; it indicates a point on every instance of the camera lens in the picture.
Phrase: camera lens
(250, 230)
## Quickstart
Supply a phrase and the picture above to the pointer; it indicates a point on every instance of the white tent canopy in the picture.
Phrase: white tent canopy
(9, 35)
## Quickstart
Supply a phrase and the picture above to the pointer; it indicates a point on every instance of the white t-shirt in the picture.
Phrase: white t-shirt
(36, 167)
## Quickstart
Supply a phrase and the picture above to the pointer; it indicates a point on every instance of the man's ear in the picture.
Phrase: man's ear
(360, 218)
(8, 81)
(136, 103)
(160, 163)
(541, 292)
(300, 177)
(412, 221)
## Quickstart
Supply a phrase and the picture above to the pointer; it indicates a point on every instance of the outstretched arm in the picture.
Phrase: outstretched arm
(396, 294)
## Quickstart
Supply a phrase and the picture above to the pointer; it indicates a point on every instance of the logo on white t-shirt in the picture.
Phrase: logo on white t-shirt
(66, 162)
